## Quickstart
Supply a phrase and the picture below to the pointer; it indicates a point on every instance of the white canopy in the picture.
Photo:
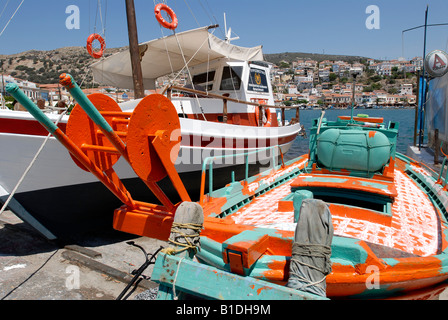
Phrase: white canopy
(163, 56)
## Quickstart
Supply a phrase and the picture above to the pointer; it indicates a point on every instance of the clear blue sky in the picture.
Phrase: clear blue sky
(320, 26)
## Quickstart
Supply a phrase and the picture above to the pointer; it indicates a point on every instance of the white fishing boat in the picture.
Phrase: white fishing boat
(226, 108)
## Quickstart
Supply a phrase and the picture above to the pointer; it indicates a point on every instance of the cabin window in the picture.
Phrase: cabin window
(204, 81)
(258, 81)
(231, 78)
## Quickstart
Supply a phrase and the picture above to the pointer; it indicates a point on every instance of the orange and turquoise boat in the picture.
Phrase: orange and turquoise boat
(382, 231)
(388, 213)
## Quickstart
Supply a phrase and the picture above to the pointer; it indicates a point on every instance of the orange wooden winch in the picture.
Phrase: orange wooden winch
(148, 138)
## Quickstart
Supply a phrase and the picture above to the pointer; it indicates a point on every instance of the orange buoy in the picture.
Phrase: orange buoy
(268, 121)
(90, 39)
(158, 12)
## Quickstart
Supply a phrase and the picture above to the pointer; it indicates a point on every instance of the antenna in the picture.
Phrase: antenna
(228, 32)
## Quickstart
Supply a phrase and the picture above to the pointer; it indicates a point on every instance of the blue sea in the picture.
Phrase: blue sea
(405, 118)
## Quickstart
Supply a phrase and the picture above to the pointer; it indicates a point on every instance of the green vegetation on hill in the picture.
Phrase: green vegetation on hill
(276, 58)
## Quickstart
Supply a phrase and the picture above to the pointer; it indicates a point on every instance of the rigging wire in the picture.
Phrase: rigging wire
(4, 8)
(13, 15)
(184, 60)
(102, 20)
(186, 3)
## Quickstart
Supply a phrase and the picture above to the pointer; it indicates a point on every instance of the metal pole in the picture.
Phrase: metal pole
(353, 95)
(3, 92)
(423, 92)
(416, 109)
(137, 75)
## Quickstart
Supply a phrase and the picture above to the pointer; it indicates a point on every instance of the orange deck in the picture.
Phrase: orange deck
(412, 228)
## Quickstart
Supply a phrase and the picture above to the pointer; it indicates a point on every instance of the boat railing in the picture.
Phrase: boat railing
(443, 181)
(168, 90)
(209, 161)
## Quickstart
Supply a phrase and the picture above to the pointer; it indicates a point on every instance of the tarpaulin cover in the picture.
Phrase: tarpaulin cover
(164, 56)
(435, 110)
(311, 251)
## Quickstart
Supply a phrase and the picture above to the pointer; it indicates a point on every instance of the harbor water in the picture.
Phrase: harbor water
(404, 116)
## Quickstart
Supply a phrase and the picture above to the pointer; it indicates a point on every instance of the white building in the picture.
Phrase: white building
(30, 89)
(406, 89)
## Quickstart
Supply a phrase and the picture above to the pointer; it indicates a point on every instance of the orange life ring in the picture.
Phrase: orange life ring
(90, 39)
(268, 121)
(158, 11)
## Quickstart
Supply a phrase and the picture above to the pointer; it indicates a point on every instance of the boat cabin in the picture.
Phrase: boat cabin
(227, 83)
(240, 81)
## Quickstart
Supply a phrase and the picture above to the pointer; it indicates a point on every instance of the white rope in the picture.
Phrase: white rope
(29, 167)
(175, 297)
(189, 75)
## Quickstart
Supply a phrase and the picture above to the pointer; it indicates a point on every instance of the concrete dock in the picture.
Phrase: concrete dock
(96, 268)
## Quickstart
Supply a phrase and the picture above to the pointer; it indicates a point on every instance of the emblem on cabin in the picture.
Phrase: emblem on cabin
(258, 78)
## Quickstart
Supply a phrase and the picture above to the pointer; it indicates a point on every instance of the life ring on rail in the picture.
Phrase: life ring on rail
(90, 39)
(268, 121)
(158, 11)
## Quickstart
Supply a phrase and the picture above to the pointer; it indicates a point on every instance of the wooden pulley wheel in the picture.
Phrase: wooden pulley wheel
(85, 133)
(154, 124)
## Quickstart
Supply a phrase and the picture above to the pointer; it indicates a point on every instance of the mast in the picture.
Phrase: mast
(139, 91)
(423, 93)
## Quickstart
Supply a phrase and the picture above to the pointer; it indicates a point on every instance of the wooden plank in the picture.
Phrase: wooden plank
(183, 275)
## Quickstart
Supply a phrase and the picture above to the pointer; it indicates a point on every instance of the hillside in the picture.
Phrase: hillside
(45, 66)
(276, 58)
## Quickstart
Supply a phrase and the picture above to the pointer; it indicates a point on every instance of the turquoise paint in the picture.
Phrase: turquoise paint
(211, 283)
(348, 249)
(404, 158)
(438, 198)
(298, 198)
(324, 179)
(391, 261)
(87, 106)
(13, 89)
(380, 186)
(211, 253)
(372, 184)
(245, 236)
(262, 266)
